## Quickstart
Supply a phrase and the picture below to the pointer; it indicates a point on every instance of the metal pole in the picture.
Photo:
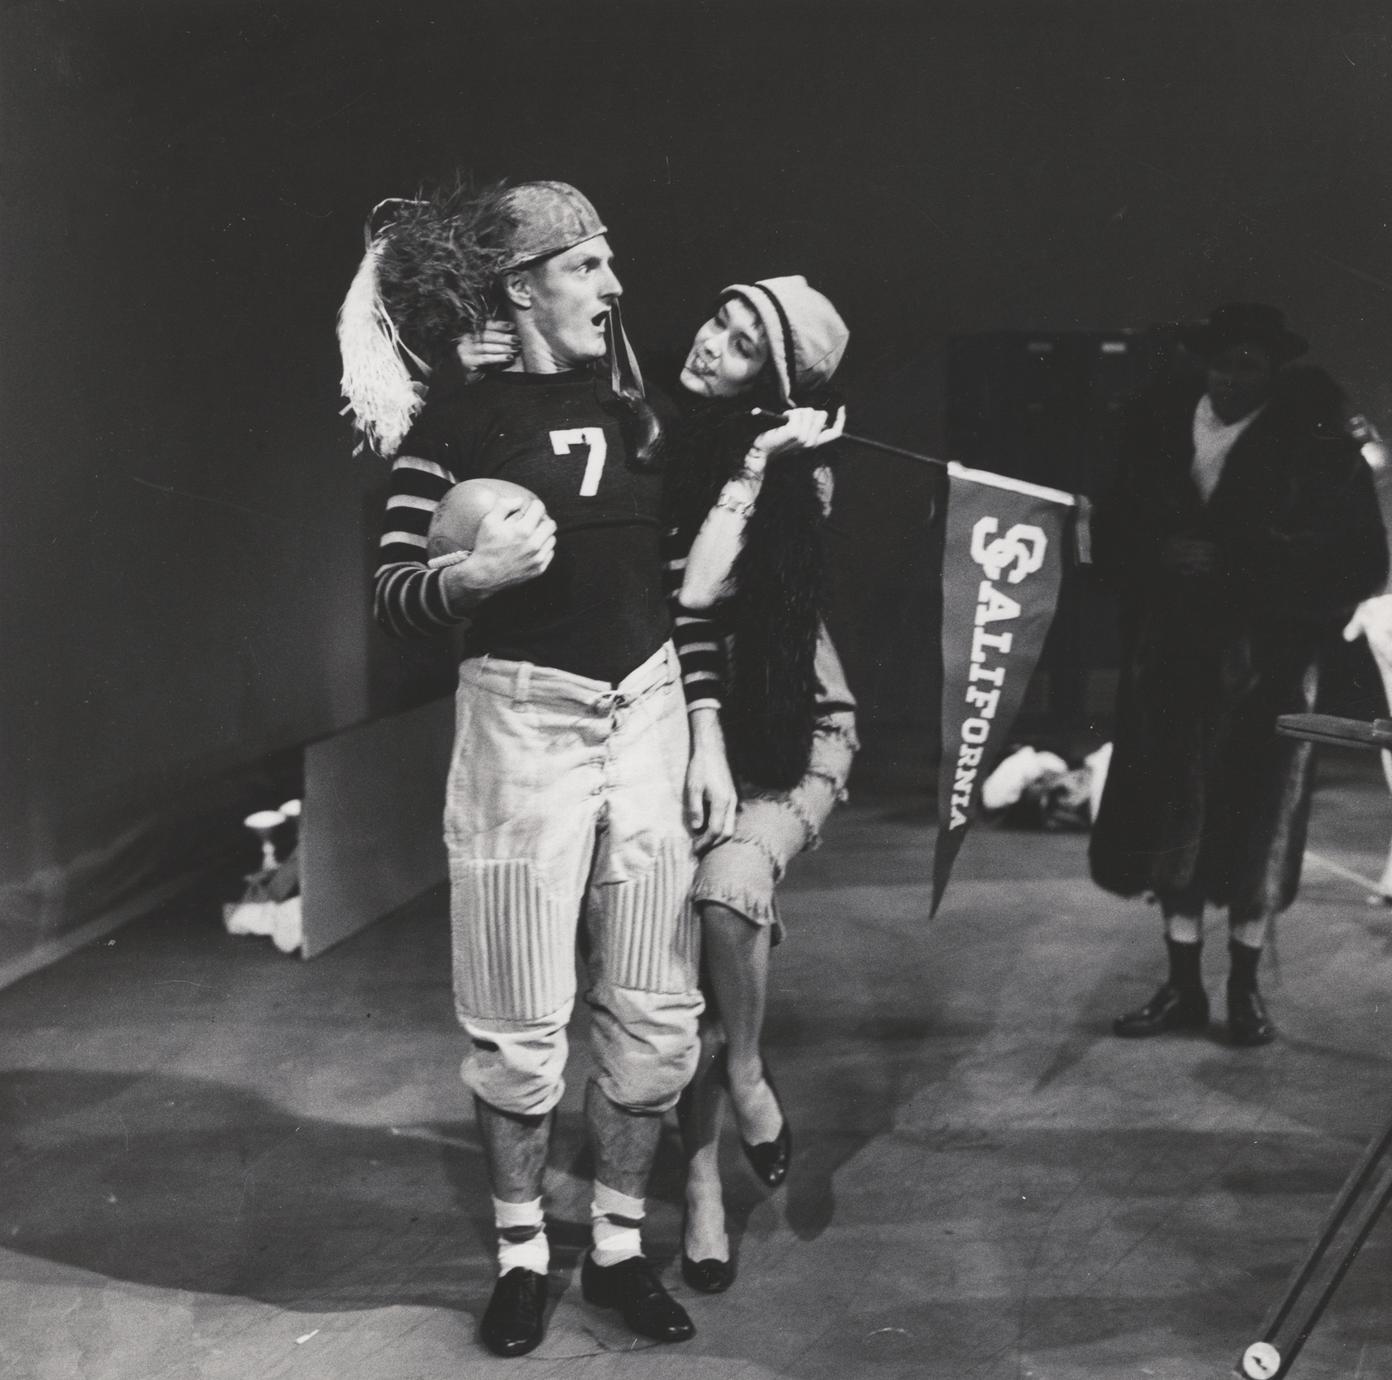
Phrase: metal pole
(1357, 1206)
(865, 441)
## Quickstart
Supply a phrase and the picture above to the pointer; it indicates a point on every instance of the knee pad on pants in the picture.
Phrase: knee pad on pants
(645, 1045)
(517, 1066)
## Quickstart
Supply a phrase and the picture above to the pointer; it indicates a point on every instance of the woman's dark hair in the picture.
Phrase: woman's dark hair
(775, 615)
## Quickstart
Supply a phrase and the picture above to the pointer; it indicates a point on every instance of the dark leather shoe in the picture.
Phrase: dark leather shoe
(515, 1320)
(710, 1276)
(1171, 1008)
(1248, 1023)
(632, 1286)
(771, 1159)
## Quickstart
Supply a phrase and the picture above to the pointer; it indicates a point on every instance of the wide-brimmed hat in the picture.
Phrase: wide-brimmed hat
(1244, 323)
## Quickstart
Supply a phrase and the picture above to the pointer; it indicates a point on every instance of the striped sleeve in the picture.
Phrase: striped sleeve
(698, 637)
(408, 598)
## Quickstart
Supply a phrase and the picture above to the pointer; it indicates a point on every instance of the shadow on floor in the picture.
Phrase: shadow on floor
(186, 1184)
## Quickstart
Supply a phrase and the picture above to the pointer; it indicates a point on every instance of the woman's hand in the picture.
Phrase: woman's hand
(711, 799)
(803, 428)
(493, 345)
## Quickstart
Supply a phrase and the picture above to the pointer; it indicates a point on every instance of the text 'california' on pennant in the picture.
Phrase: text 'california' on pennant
(1002, 566)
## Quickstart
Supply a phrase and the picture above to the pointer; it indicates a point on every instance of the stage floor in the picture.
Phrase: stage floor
(220, 1163)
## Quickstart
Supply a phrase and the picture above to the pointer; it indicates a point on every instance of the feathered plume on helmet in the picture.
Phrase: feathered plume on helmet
(426, 278)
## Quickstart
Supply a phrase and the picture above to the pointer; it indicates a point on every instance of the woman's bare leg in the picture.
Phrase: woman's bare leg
(736, 957)
(699, 1114)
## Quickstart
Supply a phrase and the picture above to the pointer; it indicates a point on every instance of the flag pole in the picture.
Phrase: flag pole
(893, 450)
(1082, 505)
(864, 441)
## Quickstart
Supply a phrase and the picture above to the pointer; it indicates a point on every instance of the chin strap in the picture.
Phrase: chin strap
(625, 377)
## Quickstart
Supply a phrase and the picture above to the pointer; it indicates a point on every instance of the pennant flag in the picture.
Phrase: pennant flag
(1002, 565)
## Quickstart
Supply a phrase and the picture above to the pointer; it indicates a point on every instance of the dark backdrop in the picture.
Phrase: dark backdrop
(184, 184)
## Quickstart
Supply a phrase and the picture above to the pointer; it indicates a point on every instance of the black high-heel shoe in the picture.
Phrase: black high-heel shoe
(771, 1159)
(709, 1276)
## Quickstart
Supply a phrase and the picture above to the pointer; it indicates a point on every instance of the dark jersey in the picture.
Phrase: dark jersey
(598, 610)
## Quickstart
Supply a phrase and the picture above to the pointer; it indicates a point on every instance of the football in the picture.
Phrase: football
(454, 526)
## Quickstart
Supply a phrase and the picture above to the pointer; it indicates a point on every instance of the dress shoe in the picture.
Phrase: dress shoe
(710, 1275)
(632, 1286)
(1171, 1008)
(770, 1159)
(514, 1321)
(1248, 1023)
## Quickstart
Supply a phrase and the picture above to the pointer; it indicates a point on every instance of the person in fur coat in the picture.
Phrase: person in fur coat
(1241, 531)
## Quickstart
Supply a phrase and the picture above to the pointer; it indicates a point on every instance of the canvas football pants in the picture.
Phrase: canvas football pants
(564, 807)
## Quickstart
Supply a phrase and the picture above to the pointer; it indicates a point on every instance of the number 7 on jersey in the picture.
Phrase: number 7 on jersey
(591, 437)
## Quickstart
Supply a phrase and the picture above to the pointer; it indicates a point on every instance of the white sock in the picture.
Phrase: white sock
(521, 1236)
(1184, 929)
(616, 1222)
(1252, 933)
